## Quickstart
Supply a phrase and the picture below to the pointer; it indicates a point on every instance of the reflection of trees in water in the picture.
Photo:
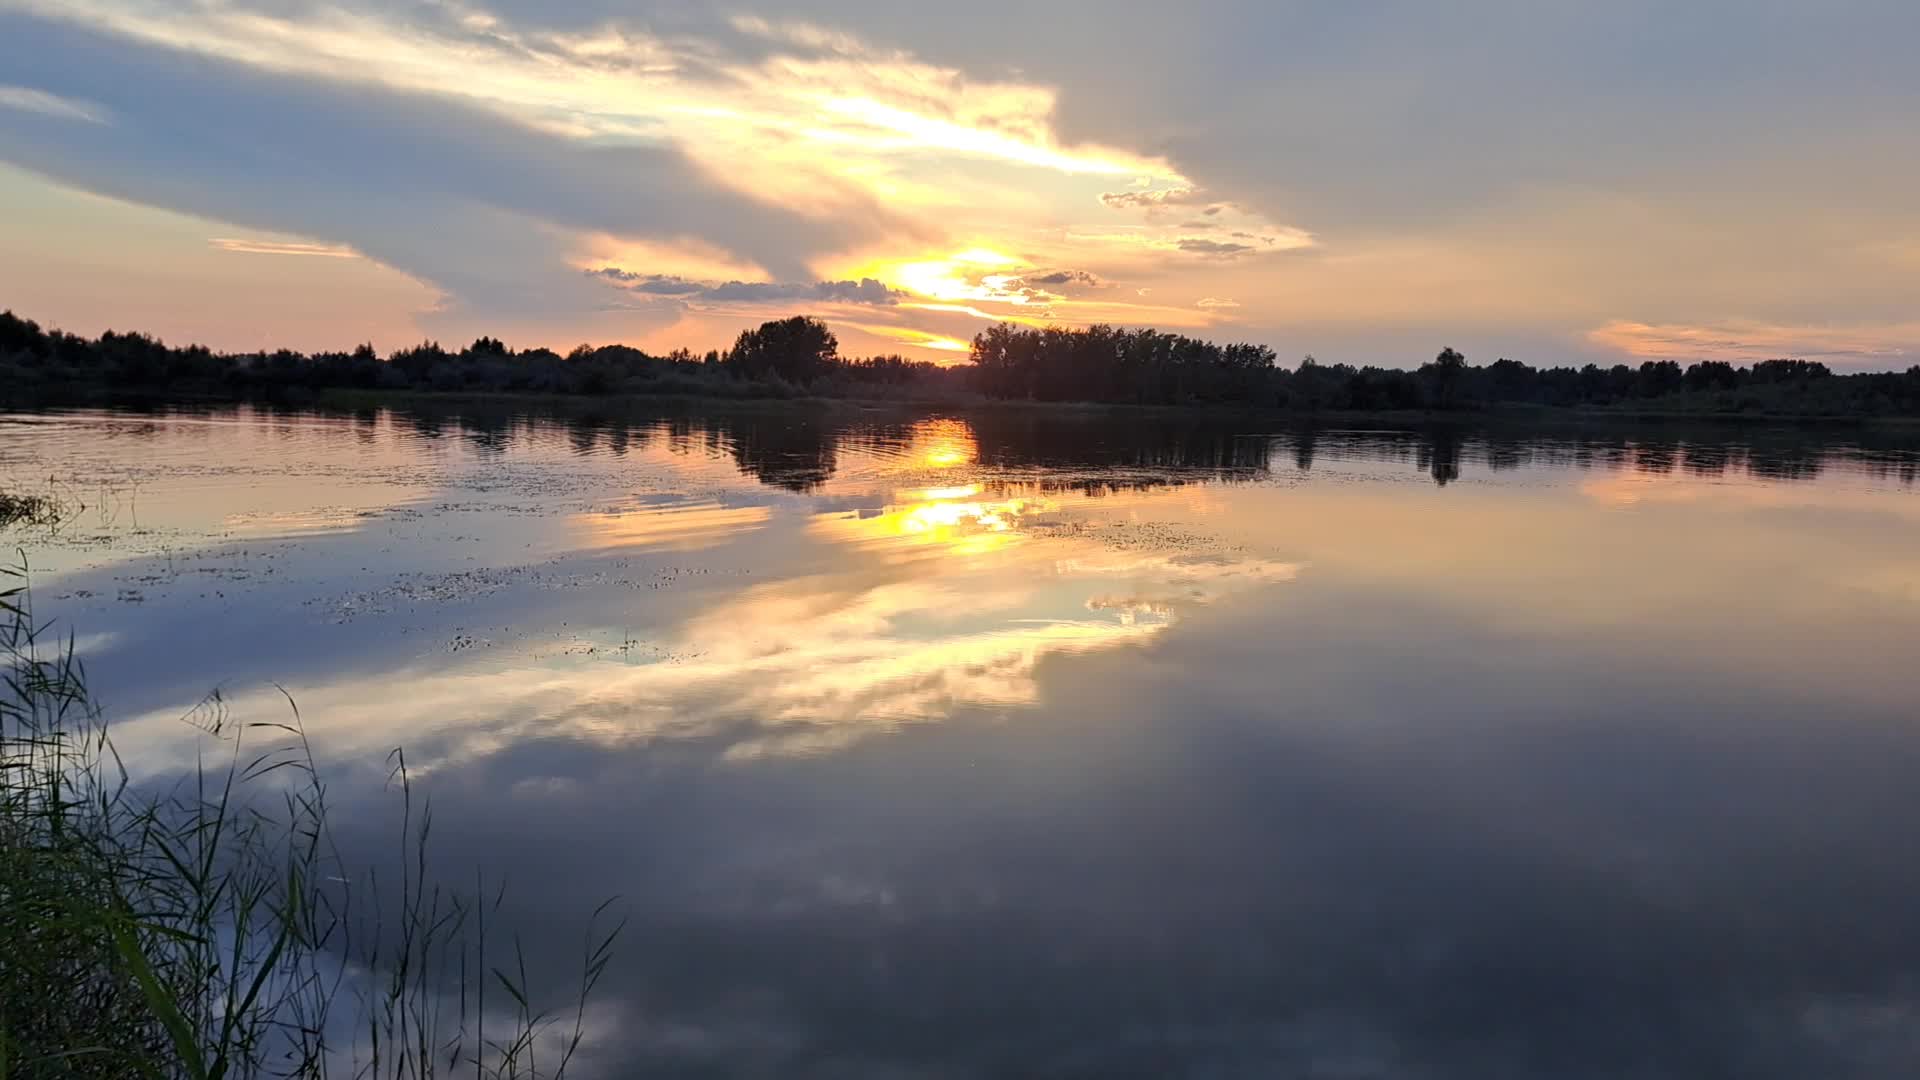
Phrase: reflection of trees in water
(366, 425)
(1709, 459)
(796, 453)
(1655, 459)
(1303, 447)
(1444, 451)
(1439, 455)
(426, 424)
(1134, 452)
(1786, 462)
(583, 434)
(488, 433)
(800, 448)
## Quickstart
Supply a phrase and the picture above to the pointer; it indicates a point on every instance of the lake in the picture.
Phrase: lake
(1038, 742)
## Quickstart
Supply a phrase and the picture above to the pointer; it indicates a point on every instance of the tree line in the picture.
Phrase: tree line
(800, 356)
(1147, 367)
(787, 358)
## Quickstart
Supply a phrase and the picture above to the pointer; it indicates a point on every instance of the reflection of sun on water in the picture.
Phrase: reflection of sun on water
(993, 517)
(960, 521)
(957, 519)
(942, 444)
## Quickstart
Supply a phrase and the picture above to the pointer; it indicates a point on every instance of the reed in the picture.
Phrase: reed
(210, 928)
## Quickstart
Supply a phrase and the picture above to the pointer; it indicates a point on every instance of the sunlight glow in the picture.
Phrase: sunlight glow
(956, 277)
(945, 135)
(918, 339)
(957, 520)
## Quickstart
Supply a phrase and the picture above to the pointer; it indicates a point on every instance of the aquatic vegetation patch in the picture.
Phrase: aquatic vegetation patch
(18, 509)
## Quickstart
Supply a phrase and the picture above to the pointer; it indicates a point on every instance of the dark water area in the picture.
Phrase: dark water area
(1075, 744)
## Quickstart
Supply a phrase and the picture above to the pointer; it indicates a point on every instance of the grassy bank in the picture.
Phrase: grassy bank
(209, 927)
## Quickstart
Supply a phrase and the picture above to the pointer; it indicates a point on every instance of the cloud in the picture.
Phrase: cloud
(653, 284)
(276, 247)
(487, 208)
(919, 339)
(1890, 344)
(1062, 277)
(863, 291)
(1215, 302)
(1215, 248)
(26, 99)
(492, 150)
(1054, 285)
(1150, 200)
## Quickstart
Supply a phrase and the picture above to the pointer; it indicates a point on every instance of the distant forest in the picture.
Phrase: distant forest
(799, 357)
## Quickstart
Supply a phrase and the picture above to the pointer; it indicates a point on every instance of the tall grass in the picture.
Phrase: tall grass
(211, 928)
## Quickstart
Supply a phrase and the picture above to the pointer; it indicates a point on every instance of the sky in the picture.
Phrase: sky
(1553, 181)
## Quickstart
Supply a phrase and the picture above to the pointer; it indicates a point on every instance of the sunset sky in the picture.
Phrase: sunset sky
(1554, 181)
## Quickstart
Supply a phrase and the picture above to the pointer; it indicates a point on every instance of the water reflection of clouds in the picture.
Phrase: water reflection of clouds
(889, 633)
(1505, 785)
(670, 524)
(1630, 490)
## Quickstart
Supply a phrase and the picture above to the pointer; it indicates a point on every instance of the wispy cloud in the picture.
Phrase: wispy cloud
(30, 100)
(1746, 342)
(919, 339)
(245, 246)
(1217, 303)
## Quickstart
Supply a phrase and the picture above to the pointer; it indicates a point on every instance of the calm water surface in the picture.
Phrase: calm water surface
(1043, 745)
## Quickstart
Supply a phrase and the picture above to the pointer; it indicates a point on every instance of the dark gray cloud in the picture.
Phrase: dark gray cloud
(863, 291)
(1045, 286)
(652, 284)
(1215, 248)
(1063, 277)
(1150, 200)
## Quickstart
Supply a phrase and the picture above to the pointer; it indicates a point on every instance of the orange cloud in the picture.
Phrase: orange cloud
(1754, 341)
(279, 247)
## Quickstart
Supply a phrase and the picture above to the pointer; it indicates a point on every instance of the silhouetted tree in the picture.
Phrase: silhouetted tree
(1712, 375)
(1444, 374)
(1098, 363)
(796, 349)
(1658, 377)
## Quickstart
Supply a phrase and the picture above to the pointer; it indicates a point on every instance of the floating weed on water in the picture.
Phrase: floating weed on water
(40, 510)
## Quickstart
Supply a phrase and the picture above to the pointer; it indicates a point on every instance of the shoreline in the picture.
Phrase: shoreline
(349, 400)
